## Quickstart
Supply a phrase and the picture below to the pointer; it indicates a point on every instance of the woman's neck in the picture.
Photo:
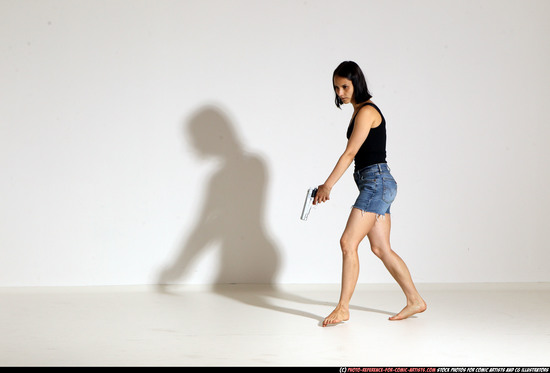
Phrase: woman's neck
(356, 107)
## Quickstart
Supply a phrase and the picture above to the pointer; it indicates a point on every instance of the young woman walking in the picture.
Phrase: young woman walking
(370, 215)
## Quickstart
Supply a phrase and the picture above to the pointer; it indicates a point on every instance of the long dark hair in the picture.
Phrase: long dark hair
(350, 70)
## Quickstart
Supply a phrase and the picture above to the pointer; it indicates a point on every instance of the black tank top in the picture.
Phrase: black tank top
(373, 150)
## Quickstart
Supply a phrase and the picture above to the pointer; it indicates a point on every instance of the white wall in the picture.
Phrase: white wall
(143, 141)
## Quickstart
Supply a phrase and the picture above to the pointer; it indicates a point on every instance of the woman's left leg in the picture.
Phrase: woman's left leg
(379, 237)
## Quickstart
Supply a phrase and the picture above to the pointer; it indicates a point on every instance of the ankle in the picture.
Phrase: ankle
(415, 301)
(343, 306)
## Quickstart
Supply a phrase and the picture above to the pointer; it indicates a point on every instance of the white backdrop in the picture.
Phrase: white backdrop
(174, 141)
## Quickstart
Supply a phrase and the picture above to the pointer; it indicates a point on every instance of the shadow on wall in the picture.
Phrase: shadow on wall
(232, 217)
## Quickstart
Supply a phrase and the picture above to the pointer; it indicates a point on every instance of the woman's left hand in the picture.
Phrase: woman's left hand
(323, 194)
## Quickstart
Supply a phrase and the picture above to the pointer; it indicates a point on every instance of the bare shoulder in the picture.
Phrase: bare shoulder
(368, 115)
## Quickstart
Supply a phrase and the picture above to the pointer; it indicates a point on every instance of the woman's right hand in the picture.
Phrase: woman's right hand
(323, 194)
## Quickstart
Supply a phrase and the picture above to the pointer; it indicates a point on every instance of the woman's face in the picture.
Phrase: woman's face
(344, 89)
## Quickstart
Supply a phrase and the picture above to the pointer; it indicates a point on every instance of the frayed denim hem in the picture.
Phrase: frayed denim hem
(378, 216)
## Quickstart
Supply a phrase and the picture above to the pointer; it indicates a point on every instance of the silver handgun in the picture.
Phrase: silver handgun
(308, 202)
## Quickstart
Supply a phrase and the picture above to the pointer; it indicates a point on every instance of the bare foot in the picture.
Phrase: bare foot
(340, 314)
(410, 309)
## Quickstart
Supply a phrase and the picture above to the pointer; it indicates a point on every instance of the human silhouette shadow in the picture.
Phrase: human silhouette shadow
(232, 219)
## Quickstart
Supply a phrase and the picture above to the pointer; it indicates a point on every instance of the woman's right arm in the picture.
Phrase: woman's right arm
(364, 120)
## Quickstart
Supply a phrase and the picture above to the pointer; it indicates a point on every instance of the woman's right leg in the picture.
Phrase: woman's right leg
(357, 227)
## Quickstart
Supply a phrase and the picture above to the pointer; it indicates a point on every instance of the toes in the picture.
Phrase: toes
(332, 322)
(407, 312)
(328, 322)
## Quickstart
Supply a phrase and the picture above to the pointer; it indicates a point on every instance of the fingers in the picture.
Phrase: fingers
(322, 195)
(320, 198)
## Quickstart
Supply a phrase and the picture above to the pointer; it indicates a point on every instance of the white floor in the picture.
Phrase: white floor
(239, 325)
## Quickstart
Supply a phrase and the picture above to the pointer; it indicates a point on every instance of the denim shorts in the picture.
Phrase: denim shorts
(377, 189)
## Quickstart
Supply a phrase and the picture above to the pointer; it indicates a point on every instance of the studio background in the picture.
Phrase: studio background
(174, 141)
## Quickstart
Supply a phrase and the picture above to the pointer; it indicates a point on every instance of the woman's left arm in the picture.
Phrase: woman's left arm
(364, 120)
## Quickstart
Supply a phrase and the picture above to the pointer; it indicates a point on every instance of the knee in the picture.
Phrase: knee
(378, 251)
(348, 246)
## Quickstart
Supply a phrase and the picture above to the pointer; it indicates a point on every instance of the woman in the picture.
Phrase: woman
(370, 215)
